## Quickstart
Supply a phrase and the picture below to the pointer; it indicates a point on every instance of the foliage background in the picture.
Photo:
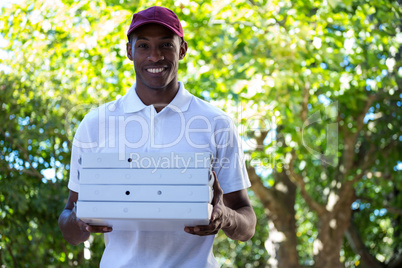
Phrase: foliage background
(271, 64)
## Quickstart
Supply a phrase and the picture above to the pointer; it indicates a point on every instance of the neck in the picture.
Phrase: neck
(159, 97)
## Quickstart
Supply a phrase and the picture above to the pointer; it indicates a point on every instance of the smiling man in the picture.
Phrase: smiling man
(156, 51)
(159, 115)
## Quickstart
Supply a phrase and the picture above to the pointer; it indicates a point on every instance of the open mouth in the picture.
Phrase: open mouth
(156, 70)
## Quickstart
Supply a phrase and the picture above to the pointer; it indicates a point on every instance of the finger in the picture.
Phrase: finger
(212, 228)
(82, 225)
(216, 185)
(218, 195)
(200, 231)
(216, 212)
(99, 229)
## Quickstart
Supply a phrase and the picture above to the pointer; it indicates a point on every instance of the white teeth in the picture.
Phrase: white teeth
(155, 70)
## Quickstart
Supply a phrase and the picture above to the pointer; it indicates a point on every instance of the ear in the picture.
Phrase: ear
(183, 50)
(129, 48)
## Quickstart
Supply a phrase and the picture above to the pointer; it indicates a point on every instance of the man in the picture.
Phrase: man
(159, 115)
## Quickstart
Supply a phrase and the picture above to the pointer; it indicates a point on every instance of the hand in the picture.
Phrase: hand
(84, 227)
(218, 215)
(93, 228)
(74, 230)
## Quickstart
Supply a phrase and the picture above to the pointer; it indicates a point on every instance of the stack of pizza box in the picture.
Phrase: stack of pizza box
(145, 191)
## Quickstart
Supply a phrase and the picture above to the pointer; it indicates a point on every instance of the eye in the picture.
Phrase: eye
(142, 45)
(167, 45)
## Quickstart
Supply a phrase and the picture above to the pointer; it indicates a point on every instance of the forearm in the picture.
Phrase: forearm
(240, 223)
(70, 229)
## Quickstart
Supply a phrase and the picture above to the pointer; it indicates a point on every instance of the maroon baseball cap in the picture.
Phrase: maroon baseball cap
(159, 15)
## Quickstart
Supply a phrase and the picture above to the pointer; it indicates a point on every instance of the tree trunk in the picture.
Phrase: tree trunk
(281, 243)
(279, 202)
(332, 227)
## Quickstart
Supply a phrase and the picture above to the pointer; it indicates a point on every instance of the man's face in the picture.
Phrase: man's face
(155, 51)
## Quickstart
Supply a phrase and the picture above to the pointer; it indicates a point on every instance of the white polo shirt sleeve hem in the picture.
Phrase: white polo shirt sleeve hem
(75, 187)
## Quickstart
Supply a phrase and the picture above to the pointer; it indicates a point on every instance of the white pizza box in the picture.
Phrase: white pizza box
(146, 193)
(145, 176)
(149, 160)
(144, 216)
(147, 225)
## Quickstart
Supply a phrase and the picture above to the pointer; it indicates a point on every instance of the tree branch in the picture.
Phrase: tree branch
(357, 244)
(303, 113)
(260, 140)
(253, 3)
(368, 161)
(263, 194)
(396, 261)
(33, 173)
(389, 208)
(347, 189)
(360, 117)
(350, 139)
(298, 180)
(15, 263)
(393, 210)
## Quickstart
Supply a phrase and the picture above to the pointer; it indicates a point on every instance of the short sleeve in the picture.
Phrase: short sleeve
(82, 142)
(229, 164)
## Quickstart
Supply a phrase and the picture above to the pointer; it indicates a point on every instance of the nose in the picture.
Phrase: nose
(155, 55)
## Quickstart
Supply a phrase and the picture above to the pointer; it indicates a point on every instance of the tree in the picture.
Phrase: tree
(52, 73)
(343, 55)
(314, 89)
(309, 83)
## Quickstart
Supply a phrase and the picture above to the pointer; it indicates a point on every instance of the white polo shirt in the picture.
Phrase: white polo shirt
(187, 124)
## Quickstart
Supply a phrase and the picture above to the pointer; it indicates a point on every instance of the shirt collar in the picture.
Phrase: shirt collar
(132, 103)
(182, 99)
